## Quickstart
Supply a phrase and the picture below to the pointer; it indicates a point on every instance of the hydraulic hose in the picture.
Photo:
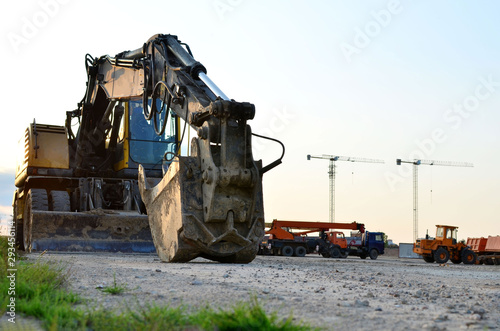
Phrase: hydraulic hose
(278, 161)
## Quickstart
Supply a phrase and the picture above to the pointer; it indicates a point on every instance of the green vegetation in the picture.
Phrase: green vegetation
(42, 292)
(246, 316)
(3, 274)
(115, 289)
(386, 240)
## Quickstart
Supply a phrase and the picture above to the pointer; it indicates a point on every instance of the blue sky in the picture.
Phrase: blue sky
(373, 79)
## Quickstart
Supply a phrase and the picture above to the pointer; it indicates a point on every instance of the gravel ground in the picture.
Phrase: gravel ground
(384, 294)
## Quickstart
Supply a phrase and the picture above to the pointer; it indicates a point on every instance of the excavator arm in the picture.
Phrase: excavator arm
(209, 203)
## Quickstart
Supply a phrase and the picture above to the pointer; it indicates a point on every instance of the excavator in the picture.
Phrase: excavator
(113, 178)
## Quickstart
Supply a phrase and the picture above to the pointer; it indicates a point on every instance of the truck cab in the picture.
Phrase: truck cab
(337, 238)
(369, 244)
(374, 241)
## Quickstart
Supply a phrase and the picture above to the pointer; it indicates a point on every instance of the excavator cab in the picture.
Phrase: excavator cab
(145, 146)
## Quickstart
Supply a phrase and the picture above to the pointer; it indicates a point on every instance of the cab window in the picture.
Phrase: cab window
(146, 147)
(439, 232)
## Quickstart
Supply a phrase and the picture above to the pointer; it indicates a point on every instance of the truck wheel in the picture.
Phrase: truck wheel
(335, 252)
(36, 199)
(287, 251)
(468, 257)
(441, 255)
(373, 254)
(428, 258)
(300, 251)
(59, 201)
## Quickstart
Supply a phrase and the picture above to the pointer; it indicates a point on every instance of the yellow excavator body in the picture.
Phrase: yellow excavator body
(119, 182)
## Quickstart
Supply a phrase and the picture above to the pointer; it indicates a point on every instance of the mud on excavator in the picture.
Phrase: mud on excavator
(119, 183)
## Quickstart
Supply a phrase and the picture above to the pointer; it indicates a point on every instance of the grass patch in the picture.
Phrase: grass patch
(115, 289)
(4, 298)
(42, 292)
(245, 316)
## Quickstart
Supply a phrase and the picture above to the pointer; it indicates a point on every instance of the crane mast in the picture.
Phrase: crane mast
(415, 163)
(331, 174)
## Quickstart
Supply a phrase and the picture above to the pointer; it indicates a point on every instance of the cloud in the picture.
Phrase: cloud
(5, 217)
(5, 211)
(6, 191)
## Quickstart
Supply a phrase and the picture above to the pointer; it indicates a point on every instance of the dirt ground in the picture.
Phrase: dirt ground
(384, 294)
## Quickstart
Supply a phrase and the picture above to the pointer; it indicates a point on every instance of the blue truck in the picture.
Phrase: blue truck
(370, 244)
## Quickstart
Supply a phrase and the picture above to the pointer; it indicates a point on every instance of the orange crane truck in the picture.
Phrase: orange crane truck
(285, 242)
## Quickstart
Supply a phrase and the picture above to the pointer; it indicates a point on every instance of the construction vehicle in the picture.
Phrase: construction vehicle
(283, 241)
(369, 244)
(486, 249)
(286, 242)
(118, 181)
(444, 247)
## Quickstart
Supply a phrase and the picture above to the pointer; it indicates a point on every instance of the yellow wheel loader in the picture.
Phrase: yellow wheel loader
(113, 178)
(444, 247)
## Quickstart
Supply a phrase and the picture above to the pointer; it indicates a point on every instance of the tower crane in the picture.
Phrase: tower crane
(416, 163)
(331, 173)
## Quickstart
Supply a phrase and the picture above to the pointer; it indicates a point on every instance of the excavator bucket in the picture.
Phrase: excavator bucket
(96, 230)
(177, 210)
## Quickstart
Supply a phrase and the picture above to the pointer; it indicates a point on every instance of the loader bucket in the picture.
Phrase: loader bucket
(177, 217)
(96, 230)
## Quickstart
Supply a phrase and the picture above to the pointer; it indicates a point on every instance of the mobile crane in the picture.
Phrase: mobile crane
(330, 243)
(91, 189)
